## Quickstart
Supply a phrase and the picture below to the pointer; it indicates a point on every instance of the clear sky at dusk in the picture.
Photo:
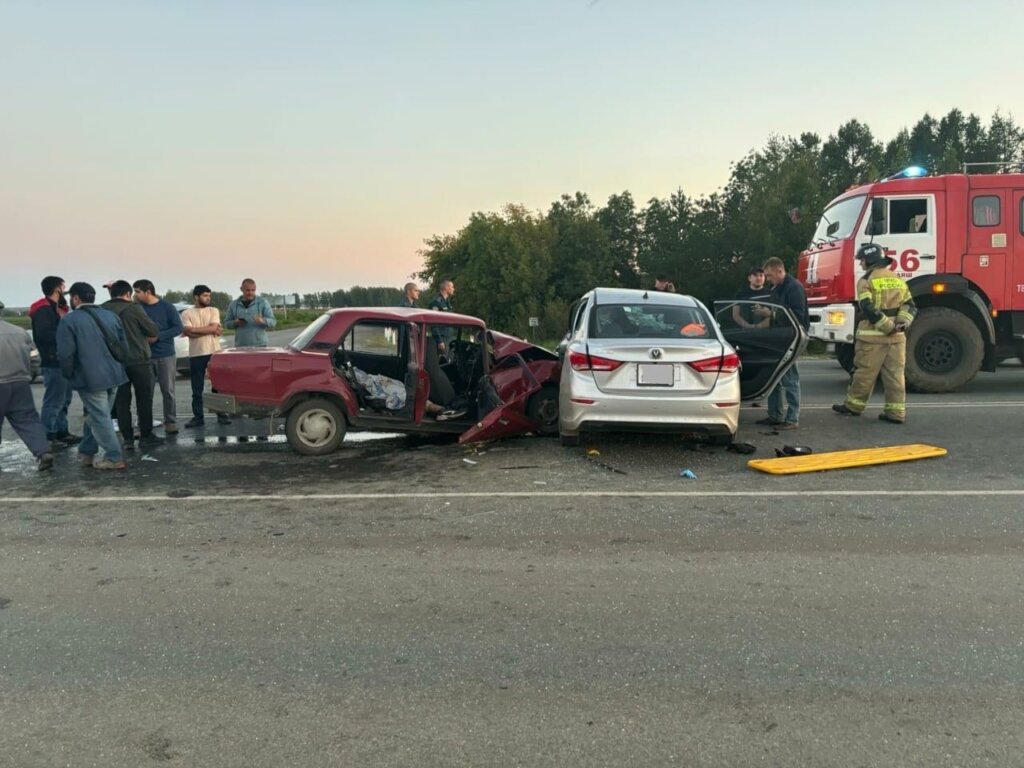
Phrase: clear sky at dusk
(314, 146)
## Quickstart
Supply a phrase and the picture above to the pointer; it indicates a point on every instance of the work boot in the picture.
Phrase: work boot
(196, 421)
(45, 462)
(150, 441)
(108, 464)
(886, 416)
(222, 418)
(768, 422)
(170, 428)
(844, 409)
(68, 439)
(86, 459)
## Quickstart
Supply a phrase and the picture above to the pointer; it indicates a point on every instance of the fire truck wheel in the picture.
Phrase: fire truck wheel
(844, 355)
(944, 351)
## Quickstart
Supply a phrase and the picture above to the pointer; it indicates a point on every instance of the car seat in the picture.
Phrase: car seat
(441, 390)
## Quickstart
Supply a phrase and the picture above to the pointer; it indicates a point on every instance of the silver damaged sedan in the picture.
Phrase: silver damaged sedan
(644, 361)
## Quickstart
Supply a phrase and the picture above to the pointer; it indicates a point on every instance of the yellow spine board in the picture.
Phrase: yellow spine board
(862, 457)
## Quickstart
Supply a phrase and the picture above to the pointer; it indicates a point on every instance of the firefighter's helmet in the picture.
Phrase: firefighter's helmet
(872, 255)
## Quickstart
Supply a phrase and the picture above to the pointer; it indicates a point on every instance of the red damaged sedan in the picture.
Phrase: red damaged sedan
(392, 370)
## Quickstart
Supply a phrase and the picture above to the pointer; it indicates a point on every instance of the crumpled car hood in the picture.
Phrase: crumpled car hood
(505, 345)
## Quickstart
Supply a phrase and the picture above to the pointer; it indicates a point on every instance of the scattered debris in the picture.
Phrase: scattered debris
(744, 448)
(601, 464)
(470, 461)
(147, 457)
(540, 482)
(794, 450)
(688, 474)
(593, 452)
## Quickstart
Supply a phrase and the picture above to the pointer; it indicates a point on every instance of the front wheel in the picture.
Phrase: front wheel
(315, 427)
(944, 350)
(543, 408)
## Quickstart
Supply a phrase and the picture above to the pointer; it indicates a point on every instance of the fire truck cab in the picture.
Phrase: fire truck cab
(958, 241)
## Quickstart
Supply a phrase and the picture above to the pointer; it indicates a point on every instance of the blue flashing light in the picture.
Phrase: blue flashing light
(910, 172)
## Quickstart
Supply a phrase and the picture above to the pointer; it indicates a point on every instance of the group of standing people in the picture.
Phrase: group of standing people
(886, 309)
(108, 353)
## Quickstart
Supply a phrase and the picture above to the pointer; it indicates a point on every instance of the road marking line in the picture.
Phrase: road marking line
(950, 404)
(515, 495)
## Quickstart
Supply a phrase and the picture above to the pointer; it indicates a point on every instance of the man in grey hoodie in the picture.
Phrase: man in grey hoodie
(16, 403)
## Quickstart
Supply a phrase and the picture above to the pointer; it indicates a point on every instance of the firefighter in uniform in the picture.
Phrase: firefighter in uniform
(881, 342)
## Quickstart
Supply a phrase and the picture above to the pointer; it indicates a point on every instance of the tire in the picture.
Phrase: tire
(944, 351)
(315, 427)
(844, 356)
(543, 408)
(569, 441)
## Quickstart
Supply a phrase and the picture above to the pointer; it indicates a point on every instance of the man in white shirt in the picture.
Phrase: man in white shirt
(202, 326)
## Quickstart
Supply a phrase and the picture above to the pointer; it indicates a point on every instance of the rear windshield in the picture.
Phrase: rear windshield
(311, 330)
(647, 321)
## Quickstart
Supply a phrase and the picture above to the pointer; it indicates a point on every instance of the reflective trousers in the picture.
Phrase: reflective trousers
(885, 357)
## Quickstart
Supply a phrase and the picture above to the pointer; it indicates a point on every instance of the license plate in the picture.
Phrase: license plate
(655, 374)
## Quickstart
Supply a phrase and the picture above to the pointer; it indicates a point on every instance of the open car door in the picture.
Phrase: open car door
(767, 338)
(503, 419)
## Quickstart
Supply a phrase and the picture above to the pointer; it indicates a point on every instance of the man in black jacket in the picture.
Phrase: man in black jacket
(45, 314)
(140, 332)
(784, 400)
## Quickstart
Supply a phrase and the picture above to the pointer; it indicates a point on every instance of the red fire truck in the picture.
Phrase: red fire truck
(958, 240)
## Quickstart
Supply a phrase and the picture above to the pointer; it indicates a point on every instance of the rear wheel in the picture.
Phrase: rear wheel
(944, 350)
(315, 427)
(543, 408)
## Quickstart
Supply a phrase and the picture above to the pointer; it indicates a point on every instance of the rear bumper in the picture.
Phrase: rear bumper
(214, 401)
(627, 413)
(833, 322)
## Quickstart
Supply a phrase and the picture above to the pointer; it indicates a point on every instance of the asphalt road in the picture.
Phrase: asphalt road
(404, 602)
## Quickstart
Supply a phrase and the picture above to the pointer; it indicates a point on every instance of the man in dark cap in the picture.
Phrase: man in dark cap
(90, 347)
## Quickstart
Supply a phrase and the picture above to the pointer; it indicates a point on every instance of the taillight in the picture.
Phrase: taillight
(581, 361)
(721, 364)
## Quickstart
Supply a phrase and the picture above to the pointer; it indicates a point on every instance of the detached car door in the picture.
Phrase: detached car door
(503, 418)
(767, 338)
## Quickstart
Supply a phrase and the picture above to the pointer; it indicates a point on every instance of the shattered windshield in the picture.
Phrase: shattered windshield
(838, 221)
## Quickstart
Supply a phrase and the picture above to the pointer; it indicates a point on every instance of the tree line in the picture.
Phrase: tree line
(515, 263)
(357, 296)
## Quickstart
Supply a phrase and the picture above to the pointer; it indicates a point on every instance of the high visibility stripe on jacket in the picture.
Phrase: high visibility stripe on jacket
(884, 299)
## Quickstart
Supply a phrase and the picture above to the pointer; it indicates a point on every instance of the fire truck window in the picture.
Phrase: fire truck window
(986, 211)
(908, 216)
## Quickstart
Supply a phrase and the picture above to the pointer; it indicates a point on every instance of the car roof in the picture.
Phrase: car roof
(634, 296)
(407, 314)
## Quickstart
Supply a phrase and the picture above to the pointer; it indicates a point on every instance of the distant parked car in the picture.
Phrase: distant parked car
(644, 361)
(34, 359)
(372, 368)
